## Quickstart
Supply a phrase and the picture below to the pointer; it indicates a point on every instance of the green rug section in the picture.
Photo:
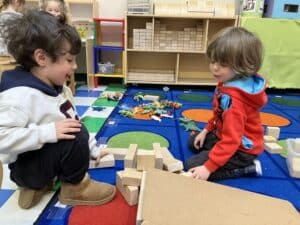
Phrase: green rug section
(93, 124)
(286, 101)
(105, 102)
(283, 144)
(144, 140)
(194, 97)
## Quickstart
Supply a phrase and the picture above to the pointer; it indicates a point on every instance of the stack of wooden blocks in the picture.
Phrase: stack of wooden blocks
(190, 39)
(270, 140)
(142, 38)
(136, 161)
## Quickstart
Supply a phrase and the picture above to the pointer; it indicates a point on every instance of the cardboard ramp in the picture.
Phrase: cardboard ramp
(172, 199)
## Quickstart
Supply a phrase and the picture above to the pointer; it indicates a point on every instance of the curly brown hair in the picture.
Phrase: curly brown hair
(40, 30)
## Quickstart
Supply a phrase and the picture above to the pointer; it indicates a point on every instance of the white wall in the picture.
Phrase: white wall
(112, 9)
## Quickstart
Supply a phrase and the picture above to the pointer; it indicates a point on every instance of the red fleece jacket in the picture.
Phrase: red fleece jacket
(240, 119)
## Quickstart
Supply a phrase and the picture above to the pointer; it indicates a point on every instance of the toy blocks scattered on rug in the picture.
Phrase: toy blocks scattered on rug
(270, 140)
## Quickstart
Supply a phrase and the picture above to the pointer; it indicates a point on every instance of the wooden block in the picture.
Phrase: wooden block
(269, 139)
(131, 177)
(119, 153)
(158, 156)
(170, 163)
(130, 157)
(145, 159)
(273, 147)
(273, 131)
(106, 161)
(130, 193)
(296, 145)
(154, 98)
(294, 167)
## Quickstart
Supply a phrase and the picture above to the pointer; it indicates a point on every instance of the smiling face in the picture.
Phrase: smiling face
(221, 73)
(62, 68)
(55, 73)
(53, 7)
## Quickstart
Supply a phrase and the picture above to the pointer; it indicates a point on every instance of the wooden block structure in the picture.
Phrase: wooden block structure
(119, 153)
(131, 177)
(169, 162)
(273, 131)
(273, 147)
(130, 157)
(269, 139)
(145, 160)
(130, 193)
(106, 161)
(138, 160)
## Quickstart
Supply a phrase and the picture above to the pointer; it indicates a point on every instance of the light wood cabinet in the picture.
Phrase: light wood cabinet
(169, 49)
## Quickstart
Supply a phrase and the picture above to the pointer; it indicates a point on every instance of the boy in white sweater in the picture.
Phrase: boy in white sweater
(39, 128)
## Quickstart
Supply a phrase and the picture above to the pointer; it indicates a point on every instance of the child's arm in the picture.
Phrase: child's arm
(200, 138)
(17, 135)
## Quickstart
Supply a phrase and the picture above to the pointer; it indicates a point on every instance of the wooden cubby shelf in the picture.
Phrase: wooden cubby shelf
(170, 49)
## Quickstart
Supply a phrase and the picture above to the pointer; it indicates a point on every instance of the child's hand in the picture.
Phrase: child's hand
(100, 156)
(65, 128)
(200, 138)
(200, 172)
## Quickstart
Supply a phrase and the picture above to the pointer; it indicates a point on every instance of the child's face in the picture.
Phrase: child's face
(57, 72)
(53, 8)
(221, 73)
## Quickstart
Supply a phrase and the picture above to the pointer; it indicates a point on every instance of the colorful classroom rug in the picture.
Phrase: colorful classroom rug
(120, 131)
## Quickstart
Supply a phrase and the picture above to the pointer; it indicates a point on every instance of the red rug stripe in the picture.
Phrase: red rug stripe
(117, 212)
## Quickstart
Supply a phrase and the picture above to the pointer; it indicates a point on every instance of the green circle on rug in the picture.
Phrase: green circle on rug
(161, 95)
(194, 97)
(144, 140)
(285, 101)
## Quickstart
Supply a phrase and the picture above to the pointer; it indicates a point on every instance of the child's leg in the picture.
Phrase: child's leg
(67, 159)
(197, 160)
(235, 167)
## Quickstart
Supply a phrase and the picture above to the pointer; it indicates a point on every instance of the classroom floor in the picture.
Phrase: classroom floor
(116, 130)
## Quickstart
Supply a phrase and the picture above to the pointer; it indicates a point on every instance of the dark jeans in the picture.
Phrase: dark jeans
(238, 160)
(67, 159)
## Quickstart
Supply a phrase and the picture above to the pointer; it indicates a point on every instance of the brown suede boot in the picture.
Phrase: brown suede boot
(87, 192)
(30, 197)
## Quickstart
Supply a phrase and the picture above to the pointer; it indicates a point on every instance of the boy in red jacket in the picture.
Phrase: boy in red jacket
(233, 138)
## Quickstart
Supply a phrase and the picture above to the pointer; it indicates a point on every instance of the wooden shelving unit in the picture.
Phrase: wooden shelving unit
(107, 49)
(167, 49)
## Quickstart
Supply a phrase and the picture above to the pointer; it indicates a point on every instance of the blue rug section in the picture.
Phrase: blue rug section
(275, 181)
(204, 97)
(81, 109)
(5, 195)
